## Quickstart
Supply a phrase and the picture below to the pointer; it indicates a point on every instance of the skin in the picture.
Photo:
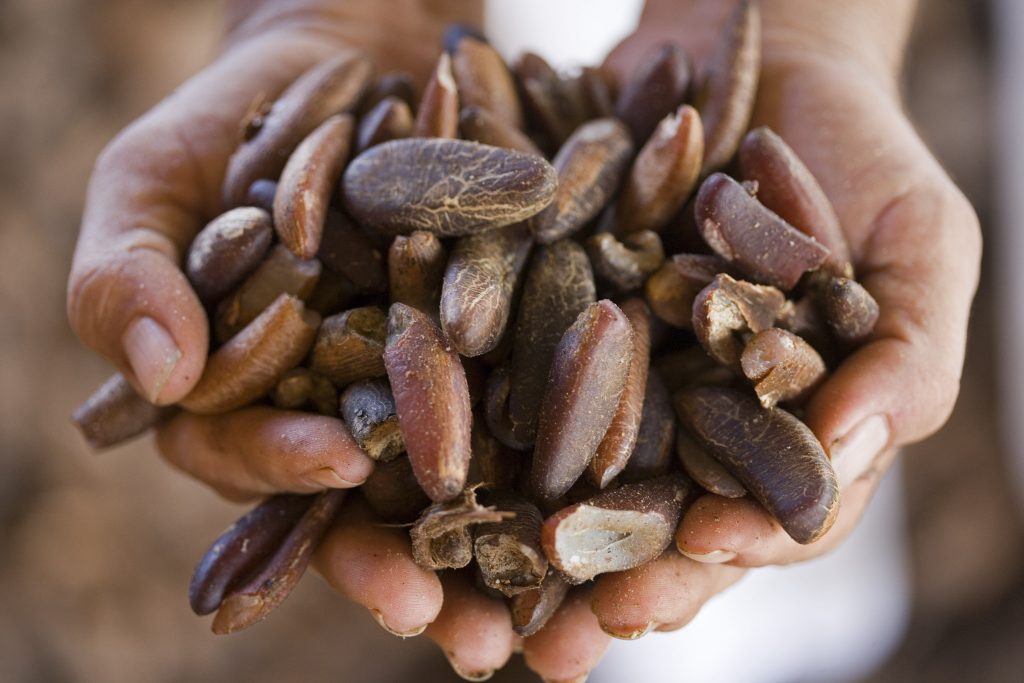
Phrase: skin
(828, 87)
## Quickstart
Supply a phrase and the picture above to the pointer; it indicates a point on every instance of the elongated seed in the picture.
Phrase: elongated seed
(652, 455)
(704, 469)
(531, 609)
(227, 250)
(484, 80)
(482, 126)
(115, 413)
(438, 114)
(349, 346)
(389, 120)
(658, 86)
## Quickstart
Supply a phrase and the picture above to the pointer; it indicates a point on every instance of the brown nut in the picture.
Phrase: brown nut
(482, 126)
(775, 253)
(508, 552)
(333, 293)
(346, 250)
(729, 308)
(350, 346)
(664, 173)
(397, 84)
(494, 465)
(393, 493)
(484, 81)
(307, 182)
(496, 410)
(531, 609)
(432, 401)
(448, 187)
(227, 250)
(704, 469)
(545, 100)
(773, 454)
(671, 290)
(652, 455)
(441, 537)
(331, 87)
(782, 366)
(626, 263)
(368, 410)
(654, 90)
(850, 310)
(590, 166)
(438, 115)
(391, 119)
(479, 281)
(617, 529)
(251, 363)
(621, 438)
(293, 390)
(261, 195)
(115, 413)
(787, 187)
(730, 86)
(587, 378)
(416, 265)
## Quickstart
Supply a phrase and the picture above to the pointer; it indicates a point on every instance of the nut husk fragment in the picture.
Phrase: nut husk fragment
(307, 182)
(652, 455)
(729, 308)
(587, 378)
(704, 469)
(251, 363)
(508, 552)
(227, 250)
(331, 87)
(772, 453)
(368, 410)
(479, 281)
(350, 346)
(448, 187)
(670, 291)
(252, 601)
(115, 413)
(850, 310)
(432, 401)
(482, 126)
(658, 86)
(416, 265)
(590, 166)
(751, 237)
(782, 366)
(625, 263)
(393, 493)
(389, 120)
(438, 114)
(484, 81)
(531, 609)
(617, 529)
(441, 537)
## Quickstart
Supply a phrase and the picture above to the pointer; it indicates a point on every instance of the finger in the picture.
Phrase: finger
(372, 566)
(664, 594)
(473, 630)
(261, 450)
(151, 189)
(570, 645)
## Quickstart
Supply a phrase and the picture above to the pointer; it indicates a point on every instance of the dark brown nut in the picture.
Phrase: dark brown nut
(476, 297)
(508, 552)
(261, 592)
(773, 454)
(543, 95)
(652, 455)
(441, 537)
(590, 166)
(227, 250)
(391, 119)
(293, 390)
(618, 529)
(346, 250)
(587, 378)
(730, 86)
(494, 465)
(350, 346)
(448, 187)
(333, 293)
(252, 362)
(804, 319)
(368, 410)
(654, 90)
(671, 290)
(728, 309)
(242, 548)
(393, 493)
(496, 410)
(626, 263)
(280, 273)
(664, 173)
(787, 187)
(432, 400)
(597, 91)
(782, 366)
(620, 439)
(559, 285)
(324, 396)
(850, 310)
(331, 87)
(482, 126)
(438, 114)
(115, 413)
(307, 182)
(397, 84)
(261, 194)
(704, 469)
(416, 266)
(775, 254)
(532, 609)
(692, 366)
(484, 80)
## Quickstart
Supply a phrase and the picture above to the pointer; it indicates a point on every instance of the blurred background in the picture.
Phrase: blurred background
(96, 550)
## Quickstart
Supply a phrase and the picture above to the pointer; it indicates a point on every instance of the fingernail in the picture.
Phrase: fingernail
(853, 454)
(468, 675)
(327, 477)
(152, 354)
(379, 618)
(628, 634)
(714, 557)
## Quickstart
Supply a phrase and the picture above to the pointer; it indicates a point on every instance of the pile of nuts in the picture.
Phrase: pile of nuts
(543, 390)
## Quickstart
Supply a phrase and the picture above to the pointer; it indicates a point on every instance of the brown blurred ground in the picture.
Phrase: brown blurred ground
(95, 551)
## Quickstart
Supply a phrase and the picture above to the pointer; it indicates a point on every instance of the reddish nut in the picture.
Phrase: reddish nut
(432, 400)
(704, 469)
(441, 537)
(597, 93)
(115, 413)
(850, 310)
(391, 119)
(727, 309)
(654, 90)
(508, 552)
(438, 115)
(531, 609)
(652, 455)
(350, 346)
(671, 290)
(782, 366)
(368, 410)
(416, 266)
(482, 126)
(543, 95)
(625, 263)
(484, 81)
(587, 378)
(227, 250)
(692, 366)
